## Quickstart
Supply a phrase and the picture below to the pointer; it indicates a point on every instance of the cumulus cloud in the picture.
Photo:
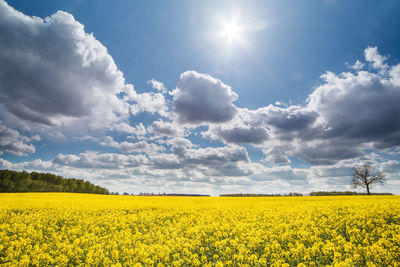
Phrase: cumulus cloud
(137, 131)
(13, 142)
(163, 128)
(276, 155)
(150, 102)
(358, 65)
(287, 174)
(362, 106)
(5, 164)
(216, 155)
(159, 86)
(286, 120)
(197, 165)
(325, 152)
(129, 147)
(53, 73)
(372, 55)
(171, 172)
(181, 142)
(392, 167)
(238, 135)
(95, 160)
(165, 161)
(200, 98)
(256, 127)
(342, 118)
(202, 162)
(356, 111)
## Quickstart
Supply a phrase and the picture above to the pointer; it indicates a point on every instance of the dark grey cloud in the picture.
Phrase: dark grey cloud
(54, 73)
(392, 167)
(362, 107)
(325, 152)
(200, 98)
(287, 120)
(238, 135)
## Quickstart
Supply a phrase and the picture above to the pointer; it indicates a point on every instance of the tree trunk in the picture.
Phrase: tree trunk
(368, 190)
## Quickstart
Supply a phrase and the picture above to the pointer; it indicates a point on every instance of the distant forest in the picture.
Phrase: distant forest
(262, 195)
(345, 193)
(319, 193)
(13, 181)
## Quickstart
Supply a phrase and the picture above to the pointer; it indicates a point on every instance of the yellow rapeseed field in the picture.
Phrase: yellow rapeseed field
(41, 229)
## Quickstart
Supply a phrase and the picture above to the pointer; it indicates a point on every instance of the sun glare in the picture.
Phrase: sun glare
(231, 31)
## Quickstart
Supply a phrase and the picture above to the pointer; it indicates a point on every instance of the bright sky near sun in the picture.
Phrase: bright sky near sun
(204, 97)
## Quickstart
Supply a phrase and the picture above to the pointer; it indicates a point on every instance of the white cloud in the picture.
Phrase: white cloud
(347, 114)
(95, 160)
(362, 107)
(5, 164)
(358, 65)
(372, 55)
(286, 174)
(276, 155)
(138, 130)
(163, 128)
(214, 161)
(55, 75)
(128, 147)
(158, 86)
(257, 127)
(150, 102)
(395, 75)
(210, 169)
(215, 155)
(13, 142)
(200, 98)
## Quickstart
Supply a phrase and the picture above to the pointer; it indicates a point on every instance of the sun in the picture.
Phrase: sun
(231, 31)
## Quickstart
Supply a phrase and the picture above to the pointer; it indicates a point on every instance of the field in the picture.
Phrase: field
(40, 229)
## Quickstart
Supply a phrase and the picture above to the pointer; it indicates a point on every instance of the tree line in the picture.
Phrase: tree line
(170, 195)
(14, 181)
(343, 193)
(262, 195)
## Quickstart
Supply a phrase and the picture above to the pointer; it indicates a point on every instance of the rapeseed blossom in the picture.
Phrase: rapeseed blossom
(42, 229)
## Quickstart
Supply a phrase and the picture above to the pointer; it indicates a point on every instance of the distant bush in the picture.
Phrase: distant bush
(13, 181)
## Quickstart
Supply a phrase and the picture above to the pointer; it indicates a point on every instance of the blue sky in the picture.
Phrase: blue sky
(201, 96)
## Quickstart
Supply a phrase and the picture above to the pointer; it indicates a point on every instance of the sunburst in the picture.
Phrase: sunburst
(232, 31)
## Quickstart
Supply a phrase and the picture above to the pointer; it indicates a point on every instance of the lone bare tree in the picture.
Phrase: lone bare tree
(365, 177)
